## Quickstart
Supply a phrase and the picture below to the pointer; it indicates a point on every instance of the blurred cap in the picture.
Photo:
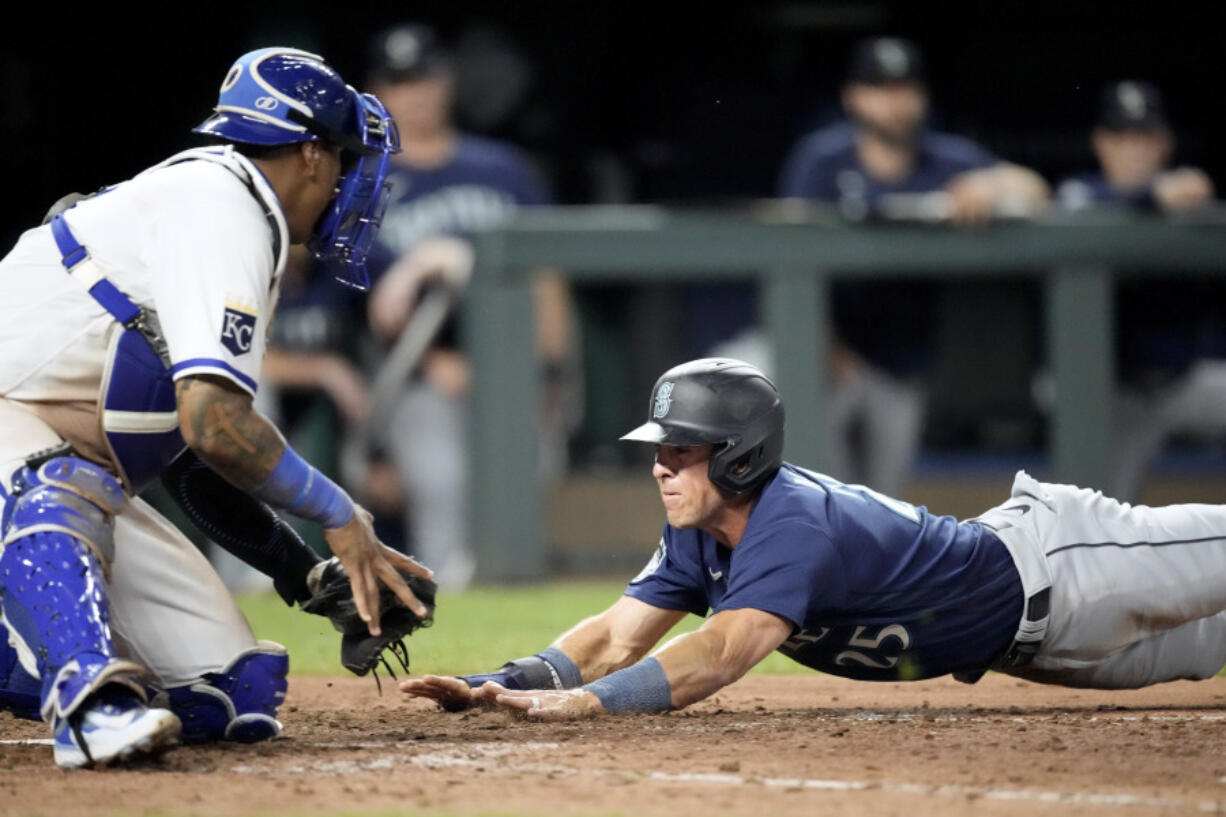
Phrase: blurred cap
(407, 52)
(1132, 105)
(879, 60)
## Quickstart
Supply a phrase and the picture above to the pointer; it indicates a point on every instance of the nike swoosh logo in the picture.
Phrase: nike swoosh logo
(1022, 509)
(715, 575)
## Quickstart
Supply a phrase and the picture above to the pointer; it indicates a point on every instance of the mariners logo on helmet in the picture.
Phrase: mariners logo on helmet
(664, 400)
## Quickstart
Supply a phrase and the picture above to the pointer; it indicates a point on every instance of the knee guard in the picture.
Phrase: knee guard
(237, 703)
(57, 545)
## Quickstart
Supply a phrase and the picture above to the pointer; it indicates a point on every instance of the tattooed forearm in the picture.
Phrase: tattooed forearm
(220, 425)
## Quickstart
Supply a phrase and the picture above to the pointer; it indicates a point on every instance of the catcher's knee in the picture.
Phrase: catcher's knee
(236, 703)
(66, 495)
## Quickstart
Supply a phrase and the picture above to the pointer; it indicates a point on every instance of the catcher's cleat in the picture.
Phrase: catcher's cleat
(114, 727)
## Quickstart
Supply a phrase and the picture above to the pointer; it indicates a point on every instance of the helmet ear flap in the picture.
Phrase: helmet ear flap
(732, 467)
(748, 461)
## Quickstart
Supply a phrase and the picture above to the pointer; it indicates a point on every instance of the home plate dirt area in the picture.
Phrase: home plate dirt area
(769, 745)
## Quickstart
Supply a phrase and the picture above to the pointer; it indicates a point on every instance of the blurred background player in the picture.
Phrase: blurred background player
(313, 348)
(445, 184)
(1134, 145)
(885, 162)
(1171, 331)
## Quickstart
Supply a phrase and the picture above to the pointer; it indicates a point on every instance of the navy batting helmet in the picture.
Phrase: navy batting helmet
(724, 402)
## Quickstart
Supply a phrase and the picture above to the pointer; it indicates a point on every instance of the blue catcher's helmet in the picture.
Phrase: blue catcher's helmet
(280, 96)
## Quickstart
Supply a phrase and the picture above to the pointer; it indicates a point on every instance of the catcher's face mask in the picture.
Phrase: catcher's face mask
(348, 226)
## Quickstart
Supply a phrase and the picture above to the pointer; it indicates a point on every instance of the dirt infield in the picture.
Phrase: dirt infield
(781, 745)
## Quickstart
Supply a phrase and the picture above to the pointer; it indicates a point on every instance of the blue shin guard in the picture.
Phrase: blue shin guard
(19, 690)
(238, 702)
(57, 535)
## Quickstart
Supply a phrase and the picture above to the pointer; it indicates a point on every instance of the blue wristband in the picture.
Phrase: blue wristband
(641, 687)
(569, 676)
(303, 490)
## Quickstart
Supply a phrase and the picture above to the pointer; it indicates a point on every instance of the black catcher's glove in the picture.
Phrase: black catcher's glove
(361, 652)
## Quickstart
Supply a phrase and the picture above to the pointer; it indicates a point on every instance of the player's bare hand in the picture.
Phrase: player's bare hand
(368, 561)
(1182, 189)
(972, 197)
(391, 302)
(543, 704)
(452, 694)
(442, 258)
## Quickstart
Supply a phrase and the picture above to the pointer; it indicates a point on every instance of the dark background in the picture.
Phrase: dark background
(678, 103)
(674, 102)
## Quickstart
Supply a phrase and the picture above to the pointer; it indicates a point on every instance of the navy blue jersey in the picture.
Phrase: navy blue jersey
(1091, 189)
(315, 313)
(888, 322)
(825, 166)
(875, 588)
(1162, 326)
(479, 186)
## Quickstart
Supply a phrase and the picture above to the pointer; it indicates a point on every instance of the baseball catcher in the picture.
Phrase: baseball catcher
(131, 335)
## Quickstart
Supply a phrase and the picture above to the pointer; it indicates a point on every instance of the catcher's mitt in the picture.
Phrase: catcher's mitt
(361, 652)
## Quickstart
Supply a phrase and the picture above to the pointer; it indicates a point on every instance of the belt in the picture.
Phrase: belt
(1025, 645)
(1030, 632)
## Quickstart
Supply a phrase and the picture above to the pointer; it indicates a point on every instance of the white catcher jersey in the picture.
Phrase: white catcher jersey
(192, 239)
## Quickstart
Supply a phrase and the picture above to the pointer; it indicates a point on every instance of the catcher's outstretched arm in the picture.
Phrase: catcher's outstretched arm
(242, 525)
(222, 427)
(250, 530)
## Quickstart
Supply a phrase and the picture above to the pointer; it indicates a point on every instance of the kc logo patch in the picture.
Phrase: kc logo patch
(237, 330)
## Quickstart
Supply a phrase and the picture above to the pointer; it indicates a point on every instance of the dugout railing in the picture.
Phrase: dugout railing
(1073, 257)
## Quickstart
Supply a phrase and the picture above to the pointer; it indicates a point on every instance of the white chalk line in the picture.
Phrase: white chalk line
(1025, 795)
(472, 755)
(28, 742)
(922, 719)
(459, 754)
